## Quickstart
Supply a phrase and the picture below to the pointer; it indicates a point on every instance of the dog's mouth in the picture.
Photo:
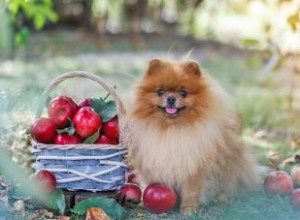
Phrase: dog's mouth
(171, 111)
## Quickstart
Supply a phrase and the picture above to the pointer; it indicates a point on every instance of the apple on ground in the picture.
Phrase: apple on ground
(106, 140)
(111, 128)
(159, 198)
(278, 182)
(295, 198)
(46, 180)
(86, 122)
(61, 109)
(43, 130)
(65, 138)
(131, 192)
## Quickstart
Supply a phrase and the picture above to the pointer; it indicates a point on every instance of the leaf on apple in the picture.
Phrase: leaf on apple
(109, 111)
(70, 130)
(106, 109)
(56, 201)
(91, 139)
(109, 206)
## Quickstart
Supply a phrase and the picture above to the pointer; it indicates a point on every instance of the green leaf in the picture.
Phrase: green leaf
(97, 104)
(39, 21)
(70, 130)
(110, 206)
(249, 42)
(56, 201)
(91, 139)
(108, 111)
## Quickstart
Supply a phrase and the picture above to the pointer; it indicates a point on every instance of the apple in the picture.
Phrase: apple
(84, 103)
(278, 182)
(111, 128)
(61, 109)
(86, 122)
(295, 174)
(131, 192)
(295, 198)
(65, 138)
(43, 130)
(159, 198)
(46, 180)
(106, 140)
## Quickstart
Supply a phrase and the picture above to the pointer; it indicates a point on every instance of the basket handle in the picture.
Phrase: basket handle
(83, 74)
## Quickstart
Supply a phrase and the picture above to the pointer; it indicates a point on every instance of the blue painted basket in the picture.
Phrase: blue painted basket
(92, 167)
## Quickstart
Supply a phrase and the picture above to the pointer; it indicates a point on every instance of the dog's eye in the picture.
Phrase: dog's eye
(183, 93)
(160, 91)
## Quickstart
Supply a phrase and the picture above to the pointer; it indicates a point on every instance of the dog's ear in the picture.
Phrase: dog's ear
(192, 67)
(154, 66)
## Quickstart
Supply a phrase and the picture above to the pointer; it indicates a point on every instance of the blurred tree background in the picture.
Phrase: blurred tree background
(251, 46)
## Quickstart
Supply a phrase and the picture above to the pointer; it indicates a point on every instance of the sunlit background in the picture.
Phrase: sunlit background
(251, 46)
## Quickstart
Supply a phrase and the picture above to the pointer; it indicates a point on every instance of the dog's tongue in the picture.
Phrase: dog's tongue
(171, 110)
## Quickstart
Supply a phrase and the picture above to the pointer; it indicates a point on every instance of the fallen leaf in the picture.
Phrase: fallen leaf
(63, 217)
(96, 214)
(34, 216)
(47, 213)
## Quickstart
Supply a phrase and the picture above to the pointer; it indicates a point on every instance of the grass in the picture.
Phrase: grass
(263, 110)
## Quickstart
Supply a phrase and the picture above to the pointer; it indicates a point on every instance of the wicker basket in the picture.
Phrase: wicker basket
(92, 167)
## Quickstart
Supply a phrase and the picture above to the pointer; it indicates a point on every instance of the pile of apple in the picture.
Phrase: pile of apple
(91, 121)
(156, 197)
(280, 182)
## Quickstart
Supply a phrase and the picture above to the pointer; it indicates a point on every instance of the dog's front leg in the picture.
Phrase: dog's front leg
(190, 194)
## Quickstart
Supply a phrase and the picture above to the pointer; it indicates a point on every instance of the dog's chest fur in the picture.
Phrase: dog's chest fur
(173, 154)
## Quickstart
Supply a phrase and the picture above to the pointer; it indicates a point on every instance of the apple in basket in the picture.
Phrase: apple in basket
(86, 122)
(65, 138)
(43, 130)
(61, 109)
(84, 103)
(111, 128)
(102, 139)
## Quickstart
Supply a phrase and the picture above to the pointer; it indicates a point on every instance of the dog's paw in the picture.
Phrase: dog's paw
(188, 210)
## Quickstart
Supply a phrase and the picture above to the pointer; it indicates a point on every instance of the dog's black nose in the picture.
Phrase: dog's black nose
(171, 100)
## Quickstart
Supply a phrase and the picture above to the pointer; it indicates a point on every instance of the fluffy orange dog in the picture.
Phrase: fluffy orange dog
(184, 134)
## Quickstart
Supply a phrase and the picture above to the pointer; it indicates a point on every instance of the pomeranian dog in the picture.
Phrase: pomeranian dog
(183, 133)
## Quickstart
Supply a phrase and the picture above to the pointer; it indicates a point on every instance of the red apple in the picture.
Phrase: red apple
(47, 180)
(106, 140)
(131, 192)
(65, 138)
(86, 122)
(43, 130)
(61, 109)
(295, 174)
(111, 128)
(84, 103)
(278, 182)
(159, 198)
(295, 198)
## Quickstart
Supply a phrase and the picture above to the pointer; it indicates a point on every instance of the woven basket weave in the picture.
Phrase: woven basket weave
(92, 167)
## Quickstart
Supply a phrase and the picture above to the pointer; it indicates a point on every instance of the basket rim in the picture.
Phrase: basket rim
(81, 146)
